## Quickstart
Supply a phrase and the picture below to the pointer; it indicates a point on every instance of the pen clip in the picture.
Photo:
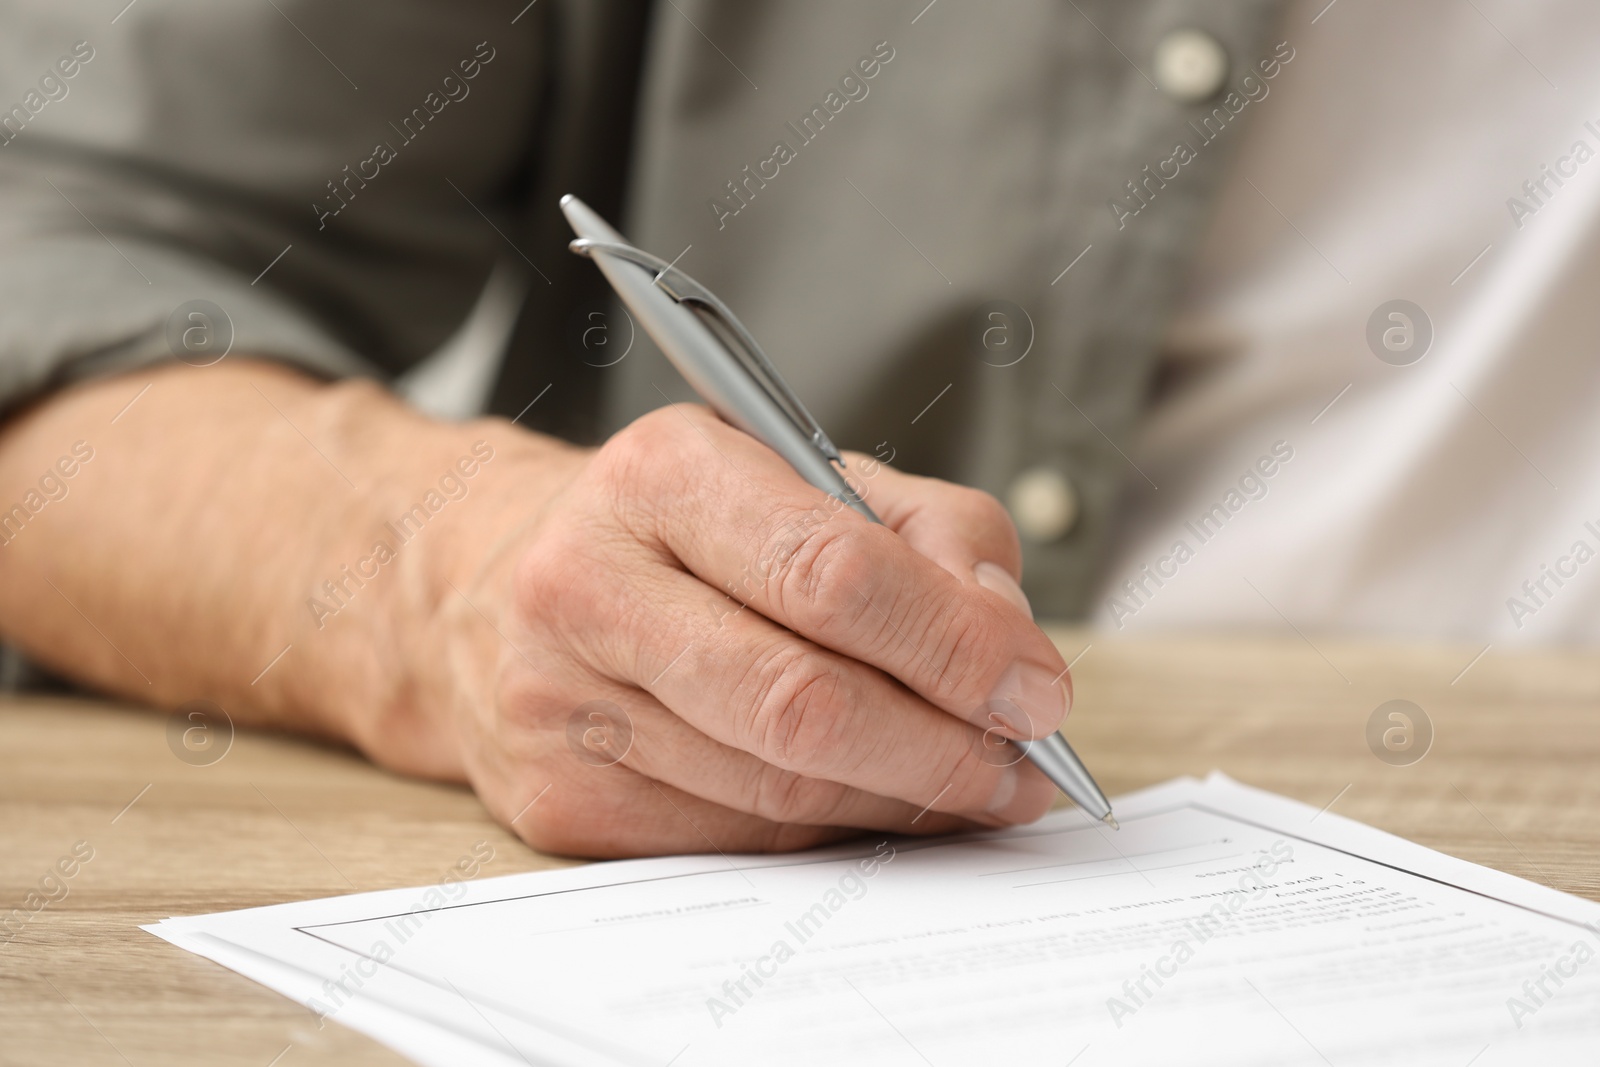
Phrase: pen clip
(685, 290)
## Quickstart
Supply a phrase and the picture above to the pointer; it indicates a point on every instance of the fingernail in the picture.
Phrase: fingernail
(1022, 796)
(994, 578)
(1038, 693)
(1005, 791)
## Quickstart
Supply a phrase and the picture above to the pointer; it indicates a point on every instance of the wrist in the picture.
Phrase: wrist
(396, 613)
(464, 630)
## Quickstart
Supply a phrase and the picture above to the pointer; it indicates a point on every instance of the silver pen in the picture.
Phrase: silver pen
(723, 363)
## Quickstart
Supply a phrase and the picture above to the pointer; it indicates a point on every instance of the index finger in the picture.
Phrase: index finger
(747, 524)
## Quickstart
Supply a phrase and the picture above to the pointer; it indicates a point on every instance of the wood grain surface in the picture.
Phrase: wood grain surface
(1511, 779)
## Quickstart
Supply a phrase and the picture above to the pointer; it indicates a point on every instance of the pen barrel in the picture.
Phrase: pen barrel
(703, 359)
(1061, 765)
(736, 397)
(772, 428)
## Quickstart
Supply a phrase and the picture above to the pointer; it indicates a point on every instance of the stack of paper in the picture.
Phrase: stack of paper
(1221, 925)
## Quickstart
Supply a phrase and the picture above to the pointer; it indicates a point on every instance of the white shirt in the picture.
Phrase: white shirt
(1388, 162)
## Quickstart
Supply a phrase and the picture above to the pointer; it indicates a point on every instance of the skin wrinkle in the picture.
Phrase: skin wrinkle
(831, 574)
(794, 694)
(720, 763)
(653, 648)
(631, 610)
(961, 650)
(744, 730)
(851, 701)
(884, 627)
(892, 634)
(785, 554)
(785, 796)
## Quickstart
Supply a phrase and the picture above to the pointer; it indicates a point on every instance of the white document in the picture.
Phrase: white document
(1222, 925)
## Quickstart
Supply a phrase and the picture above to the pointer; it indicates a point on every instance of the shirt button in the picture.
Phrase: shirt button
(1043, 504)
(1190, 65)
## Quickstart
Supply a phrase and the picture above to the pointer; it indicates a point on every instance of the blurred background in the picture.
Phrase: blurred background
(1254, 314)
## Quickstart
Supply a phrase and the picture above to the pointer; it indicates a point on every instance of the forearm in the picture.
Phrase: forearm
(474, 601)
(237, 511)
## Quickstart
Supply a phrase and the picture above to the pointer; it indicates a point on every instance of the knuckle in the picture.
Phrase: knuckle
(522, 707)
(987, 524)
(988, 512)
(593, 814)
(783, 537)
(636, 454)
(547, 588)
(627, 458)
(829, 574)
(553, 830)
(669, 426)
(795, 713)
(963, 642)
(661, 425)
(567, 599)
(582, 835)
(642, 469)
(784, 796)
(537, 577)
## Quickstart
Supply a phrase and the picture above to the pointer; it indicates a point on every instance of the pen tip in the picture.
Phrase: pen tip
(1111, 821)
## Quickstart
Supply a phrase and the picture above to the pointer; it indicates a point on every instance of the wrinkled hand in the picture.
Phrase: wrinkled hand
(692, 649)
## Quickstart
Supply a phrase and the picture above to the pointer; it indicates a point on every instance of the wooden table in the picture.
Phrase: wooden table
(1512, 780)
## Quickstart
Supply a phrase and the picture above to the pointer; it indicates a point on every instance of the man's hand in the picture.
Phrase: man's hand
(671, 643)
(692, 648)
